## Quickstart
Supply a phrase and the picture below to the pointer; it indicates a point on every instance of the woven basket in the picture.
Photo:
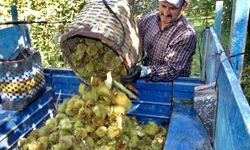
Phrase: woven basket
(95, 21)
(21, 81)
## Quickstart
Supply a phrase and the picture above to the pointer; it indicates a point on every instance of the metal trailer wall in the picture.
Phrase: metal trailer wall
(232, 129)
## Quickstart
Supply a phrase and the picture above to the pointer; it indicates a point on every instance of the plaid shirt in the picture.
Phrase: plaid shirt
(169, 51)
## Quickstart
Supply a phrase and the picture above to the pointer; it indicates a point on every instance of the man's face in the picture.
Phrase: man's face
(169, 13)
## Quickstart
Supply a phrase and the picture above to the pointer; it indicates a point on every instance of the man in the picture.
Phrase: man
(169, 42)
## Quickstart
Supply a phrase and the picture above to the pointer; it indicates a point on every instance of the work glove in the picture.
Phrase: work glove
(134, 73)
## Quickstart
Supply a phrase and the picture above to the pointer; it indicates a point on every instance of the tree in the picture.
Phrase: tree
(46, 36)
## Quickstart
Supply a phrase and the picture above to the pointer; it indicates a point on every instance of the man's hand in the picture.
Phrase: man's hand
(133, 74)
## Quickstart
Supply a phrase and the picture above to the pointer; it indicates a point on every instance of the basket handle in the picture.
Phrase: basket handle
(123, 29)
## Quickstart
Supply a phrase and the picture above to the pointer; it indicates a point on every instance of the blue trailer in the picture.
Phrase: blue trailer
(166, 103)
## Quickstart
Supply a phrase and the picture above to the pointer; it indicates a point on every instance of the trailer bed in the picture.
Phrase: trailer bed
(184, 127)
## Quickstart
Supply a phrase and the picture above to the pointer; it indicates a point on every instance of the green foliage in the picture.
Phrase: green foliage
(226, 24)
(140, 7)
(227, 13)
(45, 36)
(245, 82)
(201, 12)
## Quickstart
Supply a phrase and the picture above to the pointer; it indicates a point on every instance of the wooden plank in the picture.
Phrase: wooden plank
(155, 109)
(16, 126)
(153, 86)
(213, 62)
(14, 13)
(186, 132)
(65, 82)
(218, 17)
(233, 111)
(10, 40)
(61, 71)
(238, 33)
(155, 96)
(188, 80)
(204, 54)
(184, 95)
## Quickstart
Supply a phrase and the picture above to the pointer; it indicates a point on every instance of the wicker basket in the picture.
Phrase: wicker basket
(95, 21)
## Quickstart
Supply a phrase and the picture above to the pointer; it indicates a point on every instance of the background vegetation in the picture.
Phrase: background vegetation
(46, 36)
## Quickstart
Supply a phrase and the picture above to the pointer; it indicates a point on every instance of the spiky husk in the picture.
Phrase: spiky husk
(95, 119)
(51, 124)
(92, 58)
